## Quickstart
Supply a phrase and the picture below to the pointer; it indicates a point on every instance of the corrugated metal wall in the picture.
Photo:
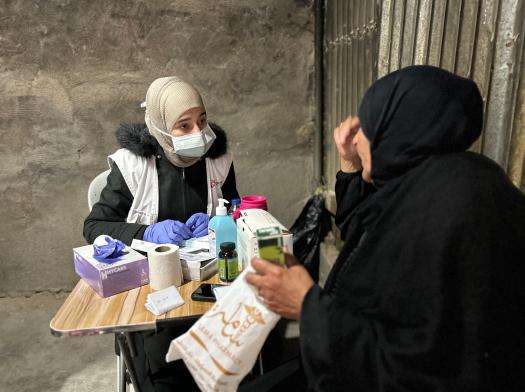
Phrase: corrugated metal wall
(350, 63)
(479, 39)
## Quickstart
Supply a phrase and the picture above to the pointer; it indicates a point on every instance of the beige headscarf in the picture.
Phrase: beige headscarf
(167, 98)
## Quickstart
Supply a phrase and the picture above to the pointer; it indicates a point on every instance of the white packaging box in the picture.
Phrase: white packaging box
(248, 223)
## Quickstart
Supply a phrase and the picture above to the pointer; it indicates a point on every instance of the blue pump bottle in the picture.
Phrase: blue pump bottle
(221, 228)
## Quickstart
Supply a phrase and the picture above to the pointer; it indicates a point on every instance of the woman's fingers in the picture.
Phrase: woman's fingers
(350, 128)
(354, 124)
(345, 132)
(191, 221)
(181, 229)
(254, 279)
(344, 140)
(200, 232)
(282, 290)
(264, 267)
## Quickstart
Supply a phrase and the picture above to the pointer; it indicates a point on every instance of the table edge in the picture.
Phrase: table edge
(139, 327)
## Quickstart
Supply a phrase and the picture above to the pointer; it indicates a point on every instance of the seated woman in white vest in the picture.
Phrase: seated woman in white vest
(163, 186)
(169, 173)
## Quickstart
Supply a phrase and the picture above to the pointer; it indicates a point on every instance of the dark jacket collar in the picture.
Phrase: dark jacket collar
(136, 138)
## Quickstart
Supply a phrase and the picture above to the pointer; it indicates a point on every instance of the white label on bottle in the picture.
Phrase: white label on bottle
(213, 248)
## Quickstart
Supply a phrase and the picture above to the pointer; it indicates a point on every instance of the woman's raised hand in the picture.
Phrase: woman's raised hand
(343, 137)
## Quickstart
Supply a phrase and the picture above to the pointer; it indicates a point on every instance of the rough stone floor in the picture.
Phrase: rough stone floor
(31, 359)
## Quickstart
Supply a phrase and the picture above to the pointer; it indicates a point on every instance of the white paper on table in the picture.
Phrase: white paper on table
(196, 244)
(192, 251)
(196, 250)
(164, 300)
(152, 309)
(196, 257)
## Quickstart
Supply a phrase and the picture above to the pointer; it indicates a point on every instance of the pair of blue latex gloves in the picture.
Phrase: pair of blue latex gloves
(175, 232)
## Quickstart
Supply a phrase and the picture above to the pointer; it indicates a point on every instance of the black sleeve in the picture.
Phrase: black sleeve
(350, 191)
(229, 188)
(108, 215)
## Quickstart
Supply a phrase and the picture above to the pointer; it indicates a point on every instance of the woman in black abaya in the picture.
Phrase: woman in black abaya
(426, 293)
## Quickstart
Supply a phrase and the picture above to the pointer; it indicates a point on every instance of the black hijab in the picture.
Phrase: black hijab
(409, 116)
(417, 112)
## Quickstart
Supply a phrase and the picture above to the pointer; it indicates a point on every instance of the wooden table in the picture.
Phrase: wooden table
(84, 312)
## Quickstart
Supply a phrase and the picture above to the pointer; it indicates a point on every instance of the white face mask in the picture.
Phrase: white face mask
(194, 145)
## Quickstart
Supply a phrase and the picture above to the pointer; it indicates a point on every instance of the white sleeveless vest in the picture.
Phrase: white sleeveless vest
(141, 177)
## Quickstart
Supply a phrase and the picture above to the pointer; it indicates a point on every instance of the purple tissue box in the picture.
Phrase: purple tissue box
(129, 271)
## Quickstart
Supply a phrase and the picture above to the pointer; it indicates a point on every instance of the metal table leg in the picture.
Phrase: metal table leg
(125, 354)
(121, 374)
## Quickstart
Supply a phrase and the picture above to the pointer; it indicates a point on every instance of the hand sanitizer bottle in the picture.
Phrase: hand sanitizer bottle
(221, 228)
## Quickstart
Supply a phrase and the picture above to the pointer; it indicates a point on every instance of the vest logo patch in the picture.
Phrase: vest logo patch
(214, 183)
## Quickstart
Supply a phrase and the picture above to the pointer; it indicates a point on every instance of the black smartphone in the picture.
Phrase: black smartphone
(205, 292)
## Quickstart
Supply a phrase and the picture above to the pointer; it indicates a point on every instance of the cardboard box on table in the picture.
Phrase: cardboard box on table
(248, 223)
(127, 272)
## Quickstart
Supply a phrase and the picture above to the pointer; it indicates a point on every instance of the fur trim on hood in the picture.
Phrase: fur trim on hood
(136, 138)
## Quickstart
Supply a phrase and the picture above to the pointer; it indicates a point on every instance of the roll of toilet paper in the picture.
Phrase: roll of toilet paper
(164, 267)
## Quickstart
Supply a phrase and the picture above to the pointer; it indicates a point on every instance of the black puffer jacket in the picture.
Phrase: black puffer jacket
(182, 191)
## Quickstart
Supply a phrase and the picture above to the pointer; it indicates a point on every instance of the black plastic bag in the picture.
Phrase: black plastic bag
(309, 230)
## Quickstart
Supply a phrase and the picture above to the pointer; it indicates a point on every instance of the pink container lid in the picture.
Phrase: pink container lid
(253, 201)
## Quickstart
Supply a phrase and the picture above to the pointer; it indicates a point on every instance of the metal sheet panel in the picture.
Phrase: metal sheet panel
(397, 34)
(480, 39)
(409, 32)
(467, 38)
(387, 20)
(351, 48)
(451, 34)
(504, 82)
(482, 62)
(423, 31)
(516, 168)
(437, 32)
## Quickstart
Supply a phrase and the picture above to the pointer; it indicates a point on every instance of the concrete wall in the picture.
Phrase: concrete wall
(71, 71)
